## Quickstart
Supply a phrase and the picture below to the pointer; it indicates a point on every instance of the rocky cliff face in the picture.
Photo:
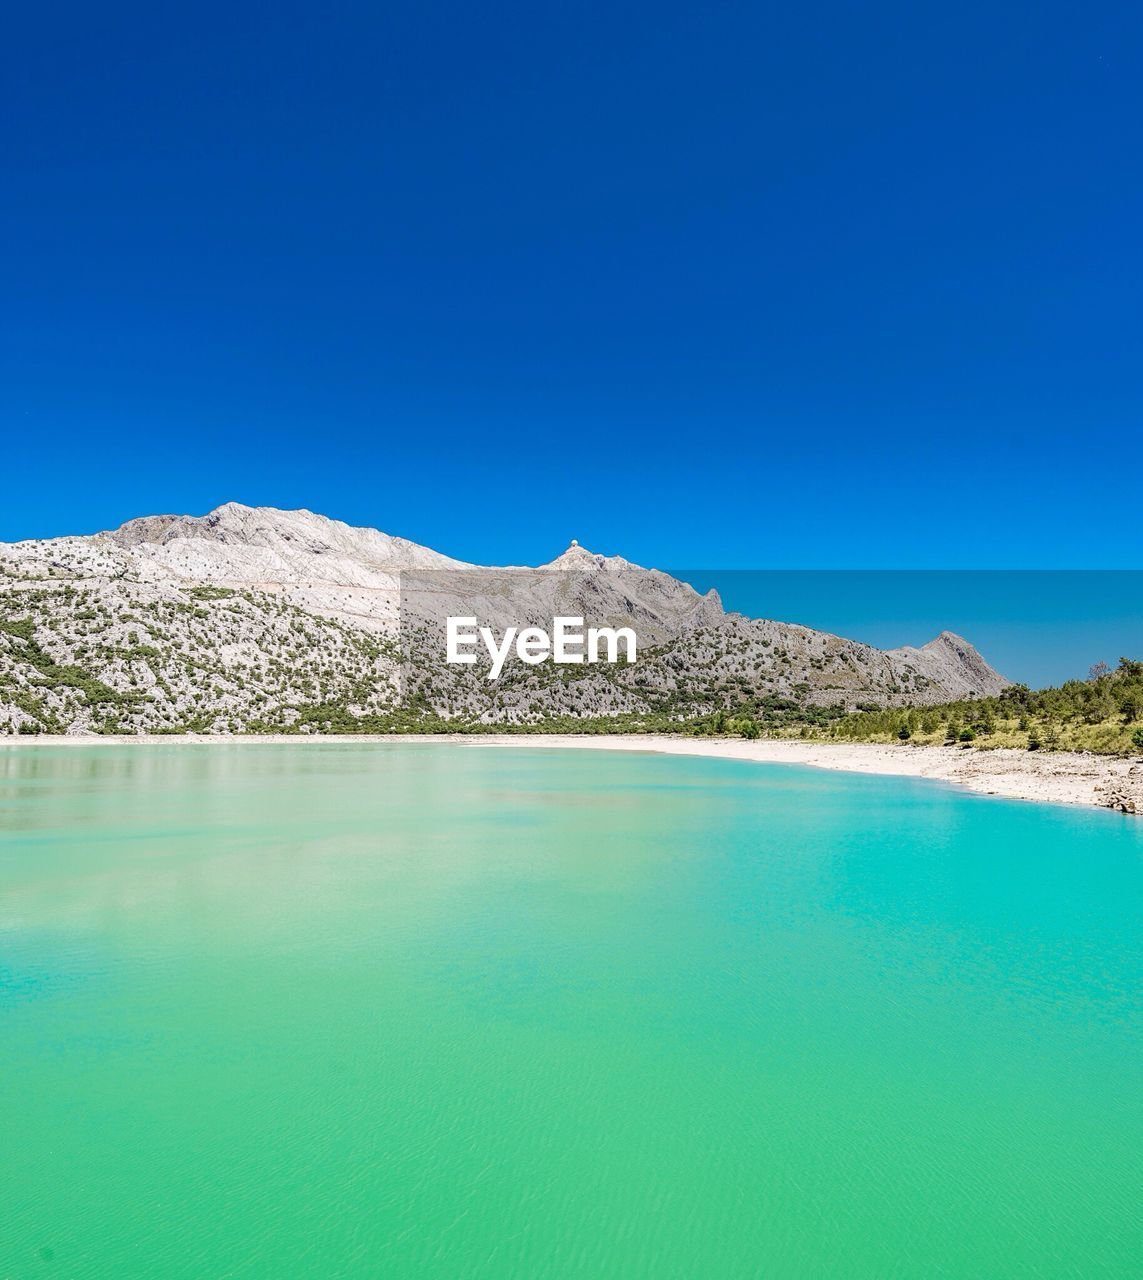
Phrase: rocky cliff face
(252, 619)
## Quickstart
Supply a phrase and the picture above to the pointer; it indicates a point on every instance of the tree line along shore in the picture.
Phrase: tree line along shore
(1102, 715)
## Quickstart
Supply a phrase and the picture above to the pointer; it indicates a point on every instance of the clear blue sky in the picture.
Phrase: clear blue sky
(740, 285)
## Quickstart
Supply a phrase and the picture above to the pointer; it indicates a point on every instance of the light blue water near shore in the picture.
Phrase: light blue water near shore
(460, 1011)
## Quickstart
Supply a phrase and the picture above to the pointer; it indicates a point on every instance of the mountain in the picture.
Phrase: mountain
(255, 619)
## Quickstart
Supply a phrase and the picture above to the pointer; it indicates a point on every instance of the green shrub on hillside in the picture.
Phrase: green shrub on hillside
(1097, 715)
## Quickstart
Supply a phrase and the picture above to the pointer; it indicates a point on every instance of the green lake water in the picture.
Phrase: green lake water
(452, 1011)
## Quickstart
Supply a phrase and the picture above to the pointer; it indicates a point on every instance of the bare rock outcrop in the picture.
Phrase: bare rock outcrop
(1123, 793)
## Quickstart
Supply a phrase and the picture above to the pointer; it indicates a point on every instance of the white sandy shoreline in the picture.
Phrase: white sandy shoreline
(1050, 778)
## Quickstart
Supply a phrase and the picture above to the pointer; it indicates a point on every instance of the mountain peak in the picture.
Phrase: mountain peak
(950, 640)
(576, 557)
(956, 663)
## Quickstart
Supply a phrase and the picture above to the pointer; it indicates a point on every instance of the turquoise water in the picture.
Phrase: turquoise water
(330, 1010)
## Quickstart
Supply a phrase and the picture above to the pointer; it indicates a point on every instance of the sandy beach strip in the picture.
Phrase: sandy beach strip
(1050, 778)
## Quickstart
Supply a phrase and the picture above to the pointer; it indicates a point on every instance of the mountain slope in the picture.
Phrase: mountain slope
(251, 619)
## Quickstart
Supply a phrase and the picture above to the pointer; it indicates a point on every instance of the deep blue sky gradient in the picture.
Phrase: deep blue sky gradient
(743, 285)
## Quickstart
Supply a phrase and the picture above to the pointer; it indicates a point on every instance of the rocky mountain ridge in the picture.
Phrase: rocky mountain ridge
(253, 619)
